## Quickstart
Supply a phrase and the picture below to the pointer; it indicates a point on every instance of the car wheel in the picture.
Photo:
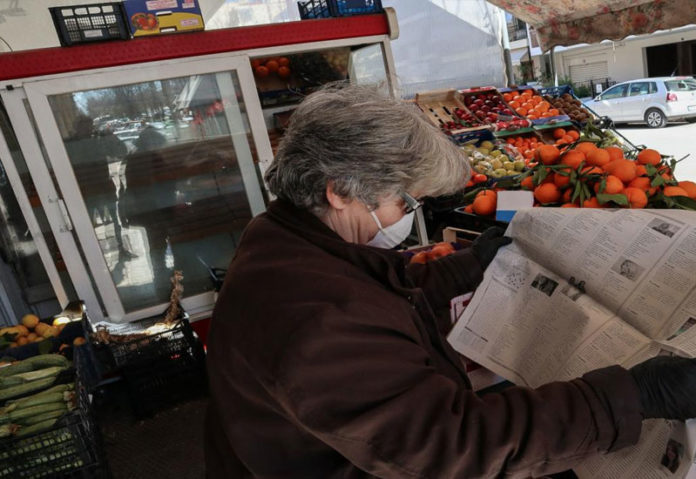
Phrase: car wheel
(655, 118)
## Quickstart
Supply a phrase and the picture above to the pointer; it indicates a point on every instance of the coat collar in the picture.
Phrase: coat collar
(387, 266)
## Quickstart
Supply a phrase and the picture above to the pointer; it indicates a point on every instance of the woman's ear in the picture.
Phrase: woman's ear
(335, 200)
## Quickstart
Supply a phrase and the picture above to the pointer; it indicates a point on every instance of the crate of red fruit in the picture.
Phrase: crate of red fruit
(488, 106)
(445, 110)
(528, 103)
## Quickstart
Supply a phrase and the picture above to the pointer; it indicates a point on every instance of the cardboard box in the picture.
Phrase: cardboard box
(153, 17)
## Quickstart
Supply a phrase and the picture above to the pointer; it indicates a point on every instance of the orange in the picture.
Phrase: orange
(261, 71)
(547, 154)
(484, 205)
(649, 157)
(574, 134)
(272, 66)
(469, 208)
(527, 183)
(22, 340)
(547, 193)
(592, 203)
(419, 258)
(569, 205)
(31, 337)
(283, 61)
(615, 153)
(487, 193)
(636, 197)
(641, 171)
(689, 187)
(573, 158)
(567, 194)
(643, 183)
(586, 147)
(614, 186)
(598, 157)
(283, 72)
(22, 330)
(674, 191)
(559, 133)
(625, 170)
(592, 170)
(561, 180)
(30, 320)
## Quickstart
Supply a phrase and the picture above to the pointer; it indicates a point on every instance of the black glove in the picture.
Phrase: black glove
(667, 387)
(486, 245)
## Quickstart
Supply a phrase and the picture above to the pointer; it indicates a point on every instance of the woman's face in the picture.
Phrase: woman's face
(354, 222)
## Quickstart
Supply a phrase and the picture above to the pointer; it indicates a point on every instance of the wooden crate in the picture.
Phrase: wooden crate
(439, 106)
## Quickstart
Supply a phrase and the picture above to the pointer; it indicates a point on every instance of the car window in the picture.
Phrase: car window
(617, 91)
(653, 87)
(639, 88)
(686, 84)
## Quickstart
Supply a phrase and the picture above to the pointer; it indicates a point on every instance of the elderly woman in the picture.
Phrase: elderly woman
(327, 355)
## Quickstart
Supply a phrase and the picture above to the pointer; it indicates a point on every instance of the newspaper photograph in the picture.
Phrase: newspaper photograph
(581, 289)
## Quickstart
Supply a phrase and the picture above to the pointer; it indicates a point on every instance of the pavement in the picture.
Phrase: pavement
(678, 139)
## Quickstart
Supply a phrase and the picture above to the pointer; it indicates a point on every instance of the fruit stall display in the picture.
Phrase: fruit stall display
(446, 110)
(489, 106)
(33, 336)
(286, 80)
(491, 159)
(528, 104)
(593, 174)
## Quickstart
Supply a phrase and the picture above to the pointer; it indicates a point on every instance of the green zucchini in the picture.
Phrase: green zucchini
(39, 426)
(38, 374)
(35, 362)
(20, 414)
(42, 417)
(36, 400)
(13, 391)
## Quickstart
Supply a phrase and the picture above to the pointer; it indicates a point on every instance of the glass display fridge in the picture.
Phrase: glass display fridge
(128, 160)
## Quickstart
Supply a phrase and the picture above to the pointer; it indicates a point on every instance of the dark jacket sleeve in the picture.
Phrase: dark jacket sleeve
(371, 394)
(447, 277)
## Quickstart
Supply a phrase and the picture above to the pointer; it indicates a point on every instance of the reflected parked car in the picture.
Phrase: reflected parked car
(654, 101)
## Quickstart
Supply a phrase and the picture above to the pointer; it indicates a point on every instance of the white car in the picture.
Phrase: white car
(654, 101)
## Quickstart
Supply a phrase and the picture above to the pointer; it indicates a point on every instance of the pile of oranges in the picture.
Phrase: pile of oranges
(575, 177)
(278, 66)
(436, 252)
(525, 144)
(530, 105)
(565, 137)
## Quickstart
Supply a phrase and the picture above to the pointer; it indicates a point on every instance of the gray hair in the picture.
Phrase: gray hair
(369, 145)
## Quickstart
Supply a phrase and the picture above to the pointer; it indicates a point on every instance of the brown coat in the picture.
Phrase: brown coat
(325, 362)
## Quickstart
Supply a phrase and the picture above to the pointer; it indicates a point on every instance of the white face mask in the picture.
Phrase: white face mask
(392, 235)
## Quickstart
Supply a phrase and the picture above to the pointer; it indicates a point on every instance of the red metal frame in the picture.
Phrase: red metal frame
(48, 61)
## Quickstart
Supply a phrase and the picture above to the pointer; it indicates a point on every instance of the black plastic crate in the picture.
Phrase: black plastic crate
(71, 448)
(90, 23)
(338, 8)
(167, 379)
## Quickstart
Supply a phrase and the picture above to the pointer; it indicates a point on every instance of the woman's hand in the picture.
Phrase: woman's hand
(486, 245)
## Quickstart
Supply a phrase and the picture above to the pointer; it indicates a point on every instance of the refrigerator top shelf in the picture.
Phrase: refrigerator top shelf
(48, 61)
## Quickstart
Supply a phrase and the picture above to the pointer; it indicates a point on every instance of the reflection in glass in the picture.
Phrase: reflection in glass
(159, 175)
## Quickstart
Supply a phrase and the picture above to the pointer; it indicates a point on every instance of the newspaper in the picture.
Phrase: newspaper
(581, 289)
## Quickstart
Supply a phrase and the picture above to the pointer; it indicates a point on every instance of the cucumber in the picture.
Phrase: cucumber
(35, 362)
(39, 426)
(36, 400)
(13, 391)
(38, 374)
(20, 414)
(41, 417)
